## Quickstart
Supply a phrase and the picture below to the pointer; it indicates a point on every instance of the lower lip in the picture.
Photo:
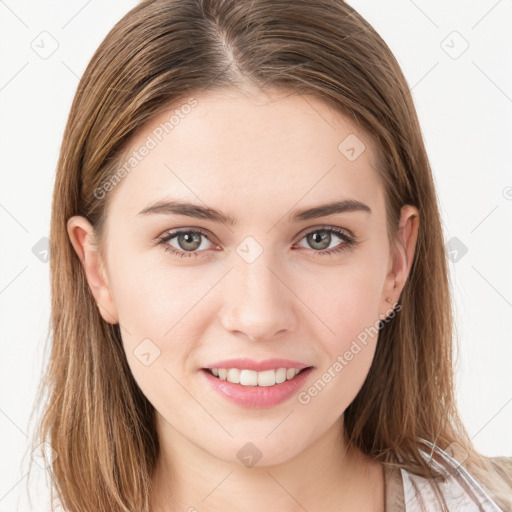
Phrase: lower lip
(257, 396)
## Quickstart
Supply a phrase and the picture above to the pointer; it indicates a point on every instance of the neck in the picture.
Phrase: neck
(187, 478)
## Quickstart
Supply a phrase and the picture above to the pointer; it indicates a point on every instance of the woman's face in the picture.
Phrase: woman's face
(269, 284)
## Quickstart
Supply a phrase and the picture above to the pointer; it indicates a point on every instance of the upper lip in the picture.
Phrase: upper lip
(258, 366)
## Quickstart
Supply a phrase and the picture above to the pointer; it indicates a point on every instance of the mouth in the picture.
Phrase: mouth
(252, 378)
(251, 389)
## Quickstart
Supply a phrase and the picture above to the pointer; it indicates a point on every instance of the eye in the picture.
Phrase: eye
(322, 237)
(188, 240)
(191, 242)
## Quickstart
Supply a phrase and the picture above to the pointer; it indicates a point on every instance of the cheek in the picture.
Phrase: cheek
(347, 301)
(159, 333)
(348, 332)
(150, 294)
(163, 312)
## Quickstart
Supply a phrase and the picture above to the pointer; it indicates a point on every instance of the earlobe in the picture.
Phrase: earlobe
(82, 237)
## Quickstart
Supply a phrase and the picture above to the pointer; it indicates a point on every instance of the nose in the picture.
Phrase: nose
(258, 301)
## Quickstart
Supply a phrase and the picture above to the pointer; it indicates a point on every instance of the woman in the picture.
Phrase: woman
(249, 285)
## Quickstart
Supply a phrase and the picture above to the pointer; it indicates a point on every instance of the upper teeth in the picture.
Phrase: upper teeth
(253, 378)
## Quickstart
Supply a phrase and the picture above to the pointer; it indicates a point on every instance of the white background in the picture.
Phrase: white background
(465, 109)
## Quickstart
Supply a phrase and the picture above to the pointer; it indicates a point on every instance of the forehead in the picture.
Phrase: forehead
(248, 151)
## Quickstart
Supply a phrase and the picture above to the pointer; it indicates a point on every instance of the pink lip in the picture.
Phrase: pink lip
(257, 396)
(258, 366)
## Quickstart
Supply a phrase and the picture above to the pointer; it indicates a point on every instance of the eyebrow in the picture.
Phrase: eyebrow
(170, 207)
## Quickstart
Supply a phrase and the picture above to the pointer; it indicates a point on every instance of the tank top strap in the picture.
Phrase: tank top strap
(460, 490)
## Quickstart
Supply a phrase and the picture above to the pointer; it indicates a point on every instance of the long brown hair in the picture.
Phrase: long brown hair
(161, 53)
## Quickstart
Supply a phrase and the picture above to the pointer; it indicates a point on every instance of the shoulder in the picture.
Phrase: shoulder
(496, 477)
(394, 490)
(493, 470)
(462, 486)
(502, 466)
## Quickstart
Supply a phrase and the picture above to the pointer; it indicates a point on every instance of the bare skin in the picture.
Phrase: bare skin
(257, 159)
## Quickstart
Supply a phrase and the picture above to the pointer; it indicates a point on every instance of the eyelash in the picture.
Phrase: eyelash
(349, 241)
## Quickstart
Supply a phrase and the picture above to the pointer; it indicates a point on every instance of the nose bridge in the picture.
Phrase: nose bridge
(257, 302)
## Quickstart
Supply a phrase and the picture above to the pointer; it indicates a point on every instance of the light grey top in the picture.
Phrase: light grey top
(408, 492)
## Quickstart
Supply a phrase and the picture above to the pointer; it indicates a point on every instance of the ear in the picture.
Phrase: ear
(402, 258)
(82, 237)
